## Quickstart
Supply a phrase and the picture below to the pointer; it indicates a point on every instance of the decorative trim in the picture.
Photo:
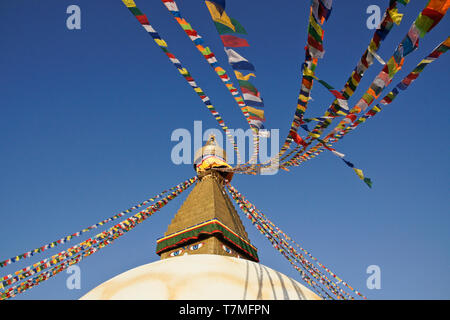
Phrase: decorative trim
(210, 227)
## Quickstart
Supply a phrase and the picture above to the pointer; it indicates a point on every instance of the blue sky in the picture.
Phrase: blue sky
(86, 119)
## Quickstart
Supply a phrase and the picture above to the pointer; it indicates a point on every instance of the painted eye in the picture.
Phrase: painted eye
(226, 249)
(196, 246)
(176, 253)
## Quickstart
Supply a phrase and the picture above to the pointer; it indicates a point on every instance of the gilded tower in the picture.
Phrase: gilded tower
(207, 222)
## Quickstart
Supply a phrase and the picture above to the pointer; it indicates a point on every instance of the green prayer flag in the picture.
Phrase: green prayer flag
(223, 29)
(423, 23)
(248, 85)
(368, 182)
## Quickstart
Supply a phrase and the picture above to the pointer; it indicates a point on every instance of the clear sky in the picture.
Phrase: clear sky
(87, 115)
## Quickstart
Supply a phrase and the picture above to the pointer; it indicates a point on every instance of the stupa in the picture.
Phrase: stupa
(205, 252)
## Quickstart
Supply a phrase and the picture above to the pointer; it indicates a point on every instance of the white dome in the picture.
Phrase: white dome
(201, 277)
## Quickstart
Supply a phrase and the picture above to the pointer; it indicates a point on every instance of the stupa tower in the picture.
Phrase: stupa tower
(207, 222)
(205, 252)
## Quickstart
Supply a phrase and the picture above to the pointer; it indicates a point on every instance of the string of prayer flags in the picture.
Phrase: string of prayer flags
(317, 17)
(46, 263)
(358, 72)
(111, 234)
(143, 20)
(340, 98)
(231, 32)
(409, 43)
(30, 283)
(209, 56)
(319, 12)
(431, 15)
(68, 238)
(312, 275)
(261, 226)
(288, 238)
(401, 86)
(352, 83)
(359, 173)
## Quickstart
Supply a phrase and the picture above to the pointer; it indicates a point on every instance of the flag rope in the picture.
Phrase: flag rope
(280, 241)
(432, 12)
(162, 44)
(350, 87)
(333, 137)
(68, 238)
(63, 255)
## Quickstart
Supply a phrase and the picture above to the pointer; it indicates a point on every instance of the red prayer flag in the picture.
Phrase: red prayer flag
(298, 140)
(233, 41)
(142, 19)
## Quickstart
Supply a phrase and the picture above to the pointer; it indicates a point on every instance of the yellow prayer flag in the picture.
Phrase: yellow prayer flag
(308, 72)
(348, 91)
(316, 27)
(257, 112)
(129, 3)
(396, 17)
(246, 77)
(183, 71)
(221, 18)
(161, 42)
(303, 98)
(359, 173)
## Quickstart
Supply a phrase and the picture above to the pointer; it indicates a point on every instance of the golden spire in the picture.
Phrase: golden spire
(207, 222)
(211, 157)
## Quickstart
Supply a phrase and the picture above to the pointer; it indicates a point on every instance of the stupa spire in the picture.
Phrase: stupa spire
(207, 222)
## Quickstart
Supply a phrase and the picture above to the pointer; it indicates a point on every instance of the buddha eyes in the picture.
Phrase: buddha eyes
(181, 250)
(196, 246)
(176, 253)
(227, 250)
